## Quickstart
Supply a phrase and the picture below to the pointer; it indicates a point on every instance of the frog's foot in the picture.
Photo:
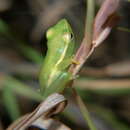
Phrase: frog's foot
(74, 77)
(75, 62)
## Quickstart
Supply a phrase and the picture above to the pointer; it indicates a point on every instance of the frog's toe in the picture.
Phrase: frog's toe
(75, 62)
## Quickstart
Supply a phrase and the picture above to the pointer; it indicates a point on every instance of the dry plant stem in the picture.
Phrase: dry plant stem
(100, 84)
(86, 48)
(108, 8)
(82, 54)
(120, 69)
(83, 110)
(45, 109)
(104, 21)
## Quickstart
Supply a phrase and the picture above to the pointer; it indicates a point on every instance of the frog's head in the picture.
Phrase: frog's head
(61, 30)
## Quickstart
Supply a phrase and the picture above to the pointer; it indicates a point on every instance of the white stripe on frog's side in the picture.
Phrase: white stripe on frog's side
(55, 69)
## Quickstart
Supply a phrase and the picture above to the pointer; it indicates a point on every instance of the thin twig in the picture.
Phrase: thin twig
(83, 110)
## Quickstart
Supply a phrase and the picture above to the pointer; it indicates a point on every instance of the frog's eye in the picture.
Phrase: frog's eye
(68, 37)
(72, 36)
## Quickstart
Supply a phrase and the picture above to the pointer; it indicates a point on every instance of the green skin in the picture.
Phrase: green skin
(53, 75)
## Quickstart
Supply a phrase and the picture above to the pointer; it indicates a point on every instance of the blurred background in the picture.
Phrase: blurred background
(104, 81)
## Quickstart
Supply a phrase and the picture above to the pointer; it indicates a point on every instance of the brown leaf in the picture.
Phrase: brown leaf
(53, 104)
(105, 20)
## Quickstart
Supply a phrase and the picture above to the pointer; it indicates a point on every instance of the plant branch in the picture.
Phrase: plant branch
(85, 49)
(92, 38)
(83, 110)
